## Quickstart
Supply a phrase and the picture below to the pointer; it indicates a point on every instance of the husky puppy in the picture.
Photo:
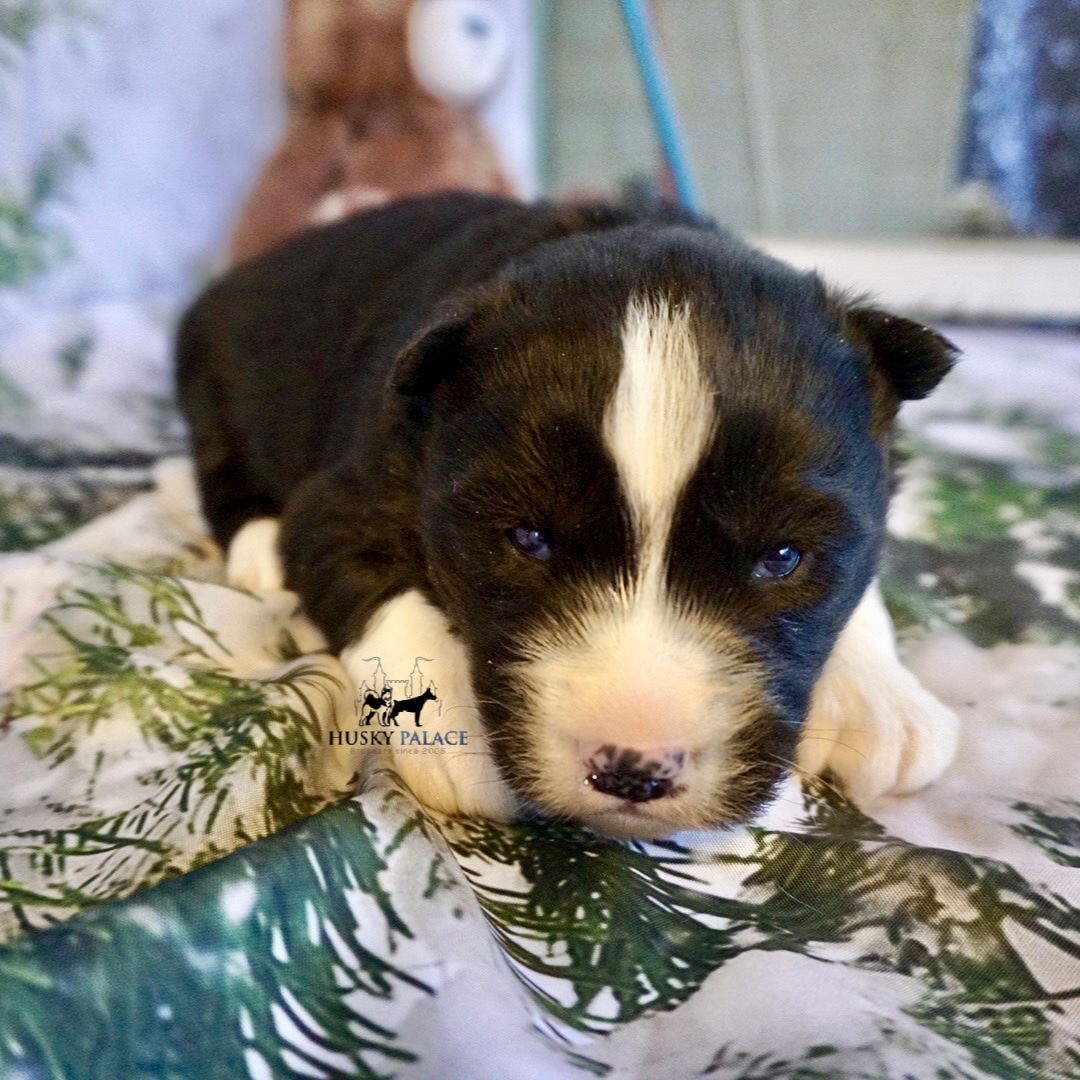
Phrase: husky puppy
(625, 476)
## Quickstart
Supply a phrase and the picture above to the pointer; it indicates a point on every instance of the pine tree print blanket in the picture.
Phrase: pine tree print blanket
(188, 890)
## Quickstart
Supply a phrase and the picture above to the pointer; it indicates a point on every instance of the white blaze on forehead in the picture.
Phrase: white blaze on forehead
(660, 419)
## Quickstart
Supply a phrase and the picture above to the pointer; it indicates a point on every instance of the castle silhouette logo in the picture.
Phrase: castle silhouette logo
(392, 712)
(377, 702)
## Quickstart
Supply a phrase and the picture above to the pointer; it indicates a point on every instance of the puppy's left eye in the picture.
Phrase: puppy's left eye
(777, 562)
(530, 542)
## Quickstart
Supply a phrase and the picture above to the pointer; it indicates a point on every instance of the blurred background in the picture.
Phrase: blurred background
(926, 152)
(130, 130)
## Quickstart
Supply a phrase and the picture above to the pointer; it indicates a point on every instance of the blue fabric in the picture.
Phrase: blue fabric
(1023, 131)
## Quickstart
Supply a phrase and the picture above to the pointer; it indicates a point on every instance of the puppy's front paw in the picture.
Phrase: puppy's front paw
(253, 561)
(878, 730)
(407, 646)
(459, 784)
(871, 722)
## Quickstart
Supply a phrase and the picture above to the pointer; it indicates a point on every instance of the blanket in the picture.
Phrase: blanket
(189, 889)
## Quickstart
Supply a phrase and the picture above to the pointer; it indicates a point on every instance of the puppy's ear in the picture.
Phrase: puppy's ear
(912, 358)
(431, 357)
(431, 362)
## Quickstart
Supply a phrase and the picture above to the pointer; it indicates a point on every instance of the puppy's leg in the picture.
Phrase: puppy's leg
(871, 722)
(253, 561)
(463, 779)
(228, 495)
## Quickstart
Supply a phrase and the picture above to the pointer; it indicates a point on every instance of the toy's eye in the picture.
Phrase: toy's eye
(777, 562)
(530, 542)
(477, 27)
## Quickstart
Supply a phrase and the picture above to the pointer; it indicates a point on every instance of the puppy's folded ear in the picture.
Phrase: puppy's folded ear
(431, 357)
(912, 358)
(435, 358)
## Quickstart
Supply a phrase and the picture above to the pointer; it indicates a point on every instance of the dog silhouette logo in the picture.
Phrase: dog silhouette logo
(377, 703)
(412, 705)
(376, 706)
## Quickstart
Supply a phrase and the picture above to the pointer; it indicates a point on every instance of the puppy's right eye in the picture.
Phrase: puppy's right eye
(530, 542)
(778, 562)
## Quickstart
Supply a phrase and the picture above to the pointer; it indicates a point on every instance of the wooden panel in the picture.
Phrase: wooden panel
(837, 117)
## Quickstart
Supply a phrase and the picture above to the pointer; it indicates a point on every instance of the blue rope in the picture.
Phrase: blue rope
(661, 101)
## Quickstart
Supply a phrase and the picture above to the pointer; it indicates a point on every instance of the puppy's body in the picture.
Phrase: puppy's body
(633, 472)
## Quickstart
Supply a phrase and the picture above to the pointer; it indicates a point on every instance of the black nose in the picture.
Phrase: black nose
(628, 775)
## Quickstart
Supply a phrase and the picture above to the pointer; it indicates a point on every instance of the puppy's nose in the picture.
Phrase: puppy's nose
(635, 775)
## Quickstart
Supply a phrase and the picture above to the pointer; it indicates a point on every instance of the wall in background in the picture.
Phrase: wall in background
(510, 112)
(839, 118)
(154, 116)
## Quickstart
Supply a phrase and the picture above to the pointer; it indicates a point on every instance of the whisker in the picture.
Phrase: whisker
(811, 777)
(836, 742)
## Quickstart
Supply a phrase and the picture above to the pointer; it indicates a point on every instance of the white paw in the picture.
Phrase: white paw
(879, 731)
(871, 722)
(408, 635)
(253, 561)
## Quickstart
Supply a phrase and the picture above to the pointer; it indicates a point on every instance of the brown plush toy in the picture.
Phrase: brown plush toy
(362, 129)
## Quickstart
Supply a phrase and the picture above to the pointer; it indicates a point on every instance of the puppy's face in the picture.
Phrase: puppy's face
(649, 506)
